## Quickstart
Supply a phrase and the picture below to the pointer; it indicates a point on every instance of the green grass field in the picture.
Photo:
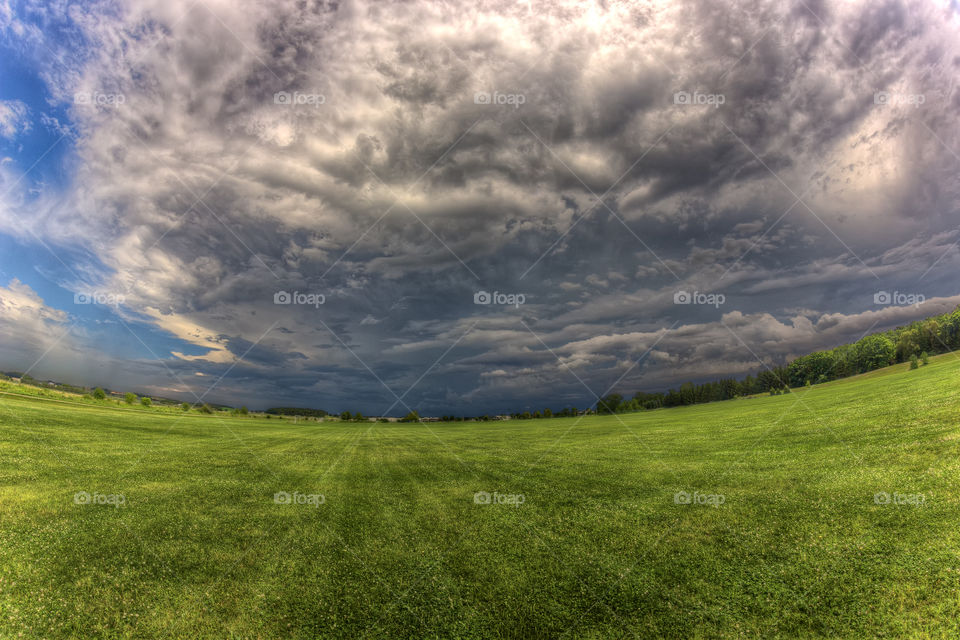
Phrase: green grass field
(598, 546)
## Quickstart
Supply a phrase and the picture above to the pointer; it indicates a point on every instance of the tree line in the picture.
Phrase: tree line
(937, 334)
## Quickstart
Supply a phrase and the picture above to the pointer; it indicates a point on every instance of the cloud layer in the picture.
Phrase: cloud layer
(398, 158)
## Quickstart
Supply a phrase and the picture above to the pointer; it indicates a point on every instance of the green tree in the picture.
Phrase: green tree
(924, 358)
(345, 415)
(129, 398)
(609, 403)
(244, 411)
(146, 401)
(874, 352)
(413, 416)
(99, 394)
(914, 364)
(185, 406)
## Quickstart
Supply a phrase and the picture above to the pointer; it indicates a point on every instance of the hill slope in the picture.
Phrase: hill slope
(588, 535)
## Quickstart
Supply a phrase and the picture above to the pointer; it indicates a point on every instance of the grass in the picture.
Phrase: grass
(599, 548)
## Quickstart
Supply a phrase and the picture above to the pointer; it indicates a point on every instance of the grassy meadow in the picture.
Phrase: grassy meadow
(832, 511)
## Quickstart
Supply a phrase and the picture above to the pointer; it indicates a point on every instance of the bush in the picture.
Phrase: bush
(129, 398)
(185, 406)
(145, 401)
(924, 358)
(206, 408)
(244, 411)
(99, 394)
(914, 364)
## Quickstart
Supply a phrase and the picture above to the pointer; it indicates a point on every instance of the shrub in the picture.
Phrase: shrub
(914, 364)
(145, 401)
(924, 358)
(206, 408)
(99, 394)
(244, 411)
(185, 406)
(129, 398)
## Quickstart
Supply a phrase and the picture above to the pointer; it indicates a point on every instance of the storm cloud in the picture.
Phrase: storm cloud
(778, 163)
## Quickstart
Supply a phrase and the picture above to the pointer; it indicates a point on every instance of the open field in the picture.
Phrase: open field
(399, 548)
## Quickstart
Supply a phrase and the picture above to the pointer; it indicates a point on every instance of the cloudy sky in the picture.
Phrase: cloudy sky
(467, 207)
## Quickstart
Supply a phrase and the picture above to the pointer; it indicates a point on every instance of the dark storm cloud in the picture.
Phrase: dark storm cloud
(398, 187)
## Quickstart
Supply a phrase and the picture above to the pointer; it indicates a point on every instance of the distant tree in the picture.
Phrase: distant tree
(914, 363)
(129, 398)
(874, 352)
(536, 414)
(345, 415)
(146, 401)
(358, 417)
(924, 358)
(547, 413)
(610, 403)
(185, 406)
(99, 394)
(206, 408)
(413, 416)
(244, 411)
